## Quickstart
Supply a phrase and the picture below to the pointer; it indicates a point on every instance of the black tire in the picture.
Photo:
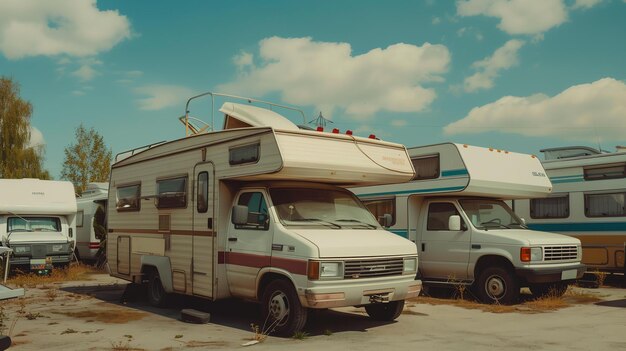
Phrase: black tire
(385, 311)
(155, 293)
(497, 285)
(549, 289)
(282, 311)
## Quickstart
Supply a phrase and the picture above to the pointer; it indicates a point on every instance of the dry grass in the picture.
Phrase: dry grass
(77, 271)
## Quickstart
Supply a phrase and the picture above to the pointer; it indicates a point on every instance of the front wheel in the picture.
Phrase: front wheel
(497, 285)
(549, 289)
(385, 311)
(282, 311)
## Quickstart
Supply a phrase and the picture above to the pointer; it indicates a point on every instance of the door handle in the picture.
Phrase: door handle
(232, 239)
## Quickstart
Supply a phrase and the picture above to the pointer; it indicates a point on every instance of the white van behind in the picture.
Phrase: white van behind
(38, 222)
(91, 206)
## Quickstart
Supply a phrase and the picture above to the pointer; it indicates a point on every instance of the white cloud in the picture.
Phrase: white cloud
(36, 138)
(57, 27)
(244, 59)
(586, 4)
(87, 71)
(327, 75)
(518, 16)
(582, 112)
(489, 68)
(437, 20)
(162, 96)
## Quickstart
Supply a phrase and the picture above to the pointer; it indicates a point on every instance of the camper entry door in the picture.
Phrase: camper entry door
(203, 229)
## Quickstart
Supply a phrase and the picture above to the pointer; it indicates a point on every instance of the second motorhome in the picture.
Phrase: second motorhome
(38, 222)
(90, 226)
(258, 211)
(465, 233)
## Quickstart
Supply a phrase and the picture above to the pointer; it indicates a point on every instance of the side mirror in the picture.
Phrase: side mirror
(387, 220)
(454, 223)
(523, 221)
(239, 215)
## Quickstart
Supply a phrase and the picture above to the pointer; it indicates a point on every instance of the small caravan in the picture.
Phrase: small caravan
(38, 222)
(465, 233)
(258, 211)
(588, 202)
(91, 207)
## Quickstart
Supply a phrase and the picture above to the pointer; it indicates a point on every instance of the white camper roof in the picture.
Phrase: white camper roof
(240, 116)
(472, 171)
(34, 196)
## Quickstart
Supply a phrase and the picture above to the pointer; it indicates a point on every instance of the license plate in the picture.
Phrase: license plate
(41, 263)
(569, 274)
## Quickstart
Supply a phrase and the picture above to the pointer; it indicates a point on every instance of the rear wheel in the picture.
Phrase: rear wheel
(497, 285)
(156, 294)
(282, 311)
(385, 311)
(549, 289)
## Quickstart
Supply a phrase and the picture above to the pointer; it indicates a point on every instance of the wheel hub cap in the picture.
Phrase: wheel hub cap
(278, 306)
(495, 287)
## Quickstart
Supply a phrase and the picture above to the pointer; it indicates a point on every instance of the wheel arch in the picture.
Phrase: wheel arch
(163, 266)
(265, 277)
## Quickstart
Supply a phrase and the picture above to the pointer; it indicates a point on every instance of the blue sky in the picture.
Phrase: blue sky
(519, 75)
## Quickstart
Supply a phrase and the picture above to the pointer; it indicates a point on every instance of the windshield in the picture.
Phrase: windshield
(33, 224)
(488, 214)
(332, 209)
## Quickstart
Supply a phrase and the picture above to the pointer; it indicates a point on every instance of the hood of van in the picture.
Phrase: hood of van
(357, 242)
(526, 237)
(34, 237)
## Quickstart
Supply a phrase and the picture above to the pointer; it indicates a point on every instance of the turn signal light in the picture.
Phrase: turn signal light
(524, 254)
(313, 270)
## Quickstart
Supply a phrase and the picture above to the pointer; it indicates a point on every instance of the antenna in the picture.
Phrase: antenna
(320, 121)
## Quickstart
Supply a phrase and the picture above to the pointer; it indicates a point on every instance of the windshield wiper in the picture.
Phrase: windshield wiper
(371, 226)
(326, 223)
(487, 225)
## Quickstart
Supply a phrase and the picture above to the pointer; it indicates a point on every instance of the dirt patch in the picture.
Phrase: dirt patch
(216, 344)
(107, 316)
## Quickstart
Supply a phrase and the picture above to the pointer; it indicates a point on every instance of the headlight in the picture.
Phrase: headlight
(536, 254)
(410, 265)
(324, 270)
(60, 247)
(21, 249)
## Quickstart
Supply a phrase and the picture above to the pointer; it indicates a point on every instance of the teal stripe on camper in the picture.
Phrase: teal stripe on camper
(415, 191)
(567, 179)
(401, 232)
(454, 172)
(579, 227)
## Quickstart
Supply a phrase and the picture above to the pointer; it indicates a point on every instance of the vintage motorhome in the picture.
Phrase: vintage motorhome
(587, 202)
(38, 222)
(258, 211)
(91, 207)
(465, 233)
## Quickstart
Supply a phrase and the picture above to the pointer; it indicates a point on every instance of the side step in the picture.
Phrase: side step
(8, 293)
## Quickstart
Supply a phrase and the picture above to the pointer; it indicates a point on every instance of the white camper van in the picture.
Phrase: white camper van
(587, 203)
(92, 200)
(38, 222)
(465, 233)
(257, 211)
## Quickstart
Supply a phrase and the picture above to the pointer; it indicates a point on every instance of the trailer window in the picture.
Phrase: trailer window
(79, 218)
(439, 214)
(606, 172)
(551, 207)
(258, 218)
(128, 198)
(244, 154)
(380, 207)
(203, 192)
(33, 224)
(426, 167)
(172, 193)
(605, 205)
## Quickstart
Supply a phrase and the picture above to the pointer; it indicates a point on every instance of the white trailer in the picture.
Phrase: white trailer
(38, 222)
(465, 233)
(258, 211)
(91, 201)
(588, 202)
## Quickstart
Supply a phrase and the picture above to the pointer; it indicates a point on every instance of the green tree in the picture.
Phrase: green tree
(17, 158)
(89, 160)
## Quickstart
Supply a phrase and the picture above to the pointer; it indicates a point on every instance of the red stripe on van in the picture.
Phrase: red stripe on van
(259, 261)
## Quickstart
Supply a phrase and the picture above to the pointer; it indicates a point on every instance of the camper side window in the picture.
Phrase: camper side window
(605, 205)
(551, 207)
(605, 172)
(426, 167)
(439, 214)
(128, 198)
(203, 192)
(79, 218)
(258, 218)
(172, 193)
(381, 206)
(244, 154)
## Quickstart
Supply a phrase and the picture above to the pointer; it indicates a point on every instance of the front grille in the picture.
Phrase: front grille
(370, 268)
(38, 251)
(558, 253)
